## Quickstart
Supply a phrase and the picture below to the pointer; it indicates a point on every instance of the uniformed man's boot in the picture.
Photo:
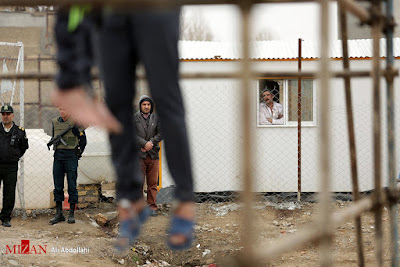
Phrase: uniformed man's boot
(71, 218)
(59, 214)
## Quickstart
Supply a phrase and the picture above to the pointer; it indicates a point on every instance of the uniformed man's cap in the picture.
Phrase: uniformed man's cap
(7, 109)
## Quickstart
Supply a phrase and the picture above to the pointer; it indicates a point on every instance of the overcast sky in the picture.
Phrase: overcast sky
(282, 21)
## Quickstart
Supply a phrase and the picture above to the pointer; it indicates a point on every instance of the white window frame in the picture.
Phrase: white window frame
(287, 123)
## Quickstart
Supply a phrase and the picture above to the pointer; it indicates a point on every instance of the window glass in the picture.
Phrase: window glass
(306, 100)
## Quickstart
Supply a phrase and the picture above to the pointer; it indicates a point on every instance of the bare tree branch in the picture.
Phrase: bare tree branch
(194, 27)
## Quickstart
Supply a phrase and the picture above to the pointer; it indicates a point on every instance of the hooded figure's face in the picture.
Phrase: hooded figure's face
(145, 107)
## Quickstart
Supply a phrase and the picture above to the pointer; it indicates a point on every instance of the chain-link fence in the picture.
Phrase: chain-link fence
(213, 116)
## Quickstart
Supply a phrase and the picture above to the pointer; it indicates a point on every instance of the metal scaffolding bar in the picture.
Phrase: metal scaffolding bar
(350, 5)
(311, 233)
(324, 210)
(376, 31)
(247, 235)
(350, 128)
(211, 75)
(323, 231)
(393, 209)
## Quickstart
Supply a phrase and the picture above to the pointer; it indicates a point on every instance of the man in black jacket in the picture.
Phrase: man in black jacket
(13, 144)
(148, 138)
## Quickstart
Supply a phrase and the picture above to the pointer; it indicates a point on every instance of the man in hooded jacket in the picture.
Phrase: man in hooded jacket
(148, 139)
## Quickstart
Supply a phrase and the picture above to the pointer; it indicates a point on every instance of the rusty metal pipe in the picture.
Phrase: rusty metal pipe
(350, 127)
(247, 234)
(299, 127)
(376, 31)
(211, 75)
(311, 233)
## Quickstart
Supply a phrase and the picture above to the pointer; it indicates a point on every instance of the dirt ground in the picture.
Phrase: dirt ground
(217, 238)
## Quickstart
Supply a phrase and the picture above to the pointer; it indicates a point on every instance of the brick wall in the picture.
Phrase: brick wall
(89, 196)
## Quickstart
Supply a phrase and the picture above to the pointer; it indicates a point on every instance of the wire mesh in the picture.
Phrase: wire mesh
(212, 114)
(216, 140)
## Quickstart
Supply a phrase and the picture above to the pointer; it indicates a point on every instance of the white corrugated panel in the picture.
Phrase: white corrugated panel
(361, 48)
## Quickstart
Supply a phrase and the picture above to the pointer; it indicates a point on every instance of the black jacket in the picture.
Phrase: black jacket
(12, 144)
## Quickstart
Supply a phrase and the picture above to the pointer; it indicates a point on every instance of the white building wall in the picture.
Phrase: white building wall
(214, 122)
(213, 116)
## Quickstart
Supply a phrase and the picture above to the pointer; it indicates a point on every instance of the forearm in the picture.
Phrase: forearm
(277, 121)
(263, 119)
(156, 138)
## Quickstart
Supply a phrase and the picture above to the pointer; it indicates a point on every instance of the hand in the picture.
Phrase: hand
(143, 150)
(78, 152)
(148, 146)
(270, 120)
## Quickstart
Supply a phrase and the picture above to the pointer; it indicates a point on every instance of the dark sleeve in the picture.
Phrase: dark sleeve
(82, 141)
(141, 142)
(74, 53)
(24, 142)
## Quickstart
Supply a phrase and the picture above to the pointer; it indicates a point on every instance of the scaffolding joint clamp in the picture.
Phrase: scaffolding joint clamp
(390, 73)
(389, 25)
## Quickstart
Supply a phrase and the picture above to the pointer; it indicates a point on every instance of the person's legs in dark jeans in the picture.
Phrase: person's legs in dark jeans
(150, 37)
(58, 179)
(117, 63)
(72, 176)
(158, 52)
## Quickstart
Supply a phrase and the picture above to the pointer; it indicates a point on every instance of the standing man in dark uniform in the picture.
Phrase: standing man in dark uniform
(148, 138)
(13, 144)
(66, 162)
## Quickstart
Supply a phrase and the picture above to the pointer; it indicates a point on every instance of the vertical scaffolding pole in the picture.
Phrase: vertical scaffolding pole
(325, 215)
(247, 236)
(391, 141)
(376, 30)
(350, 127)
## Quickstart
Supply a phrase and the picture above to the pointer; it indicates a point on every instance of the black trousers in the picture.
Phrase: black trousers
(60, 168)
(8, 175)
(149, 38)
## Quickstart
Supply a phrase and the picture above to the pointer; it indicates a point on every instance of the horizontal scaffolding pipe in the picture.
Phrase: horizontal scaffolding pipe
(211, 75)
(137, 3)
(350, 5)
(310, 234)
(357, 10)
